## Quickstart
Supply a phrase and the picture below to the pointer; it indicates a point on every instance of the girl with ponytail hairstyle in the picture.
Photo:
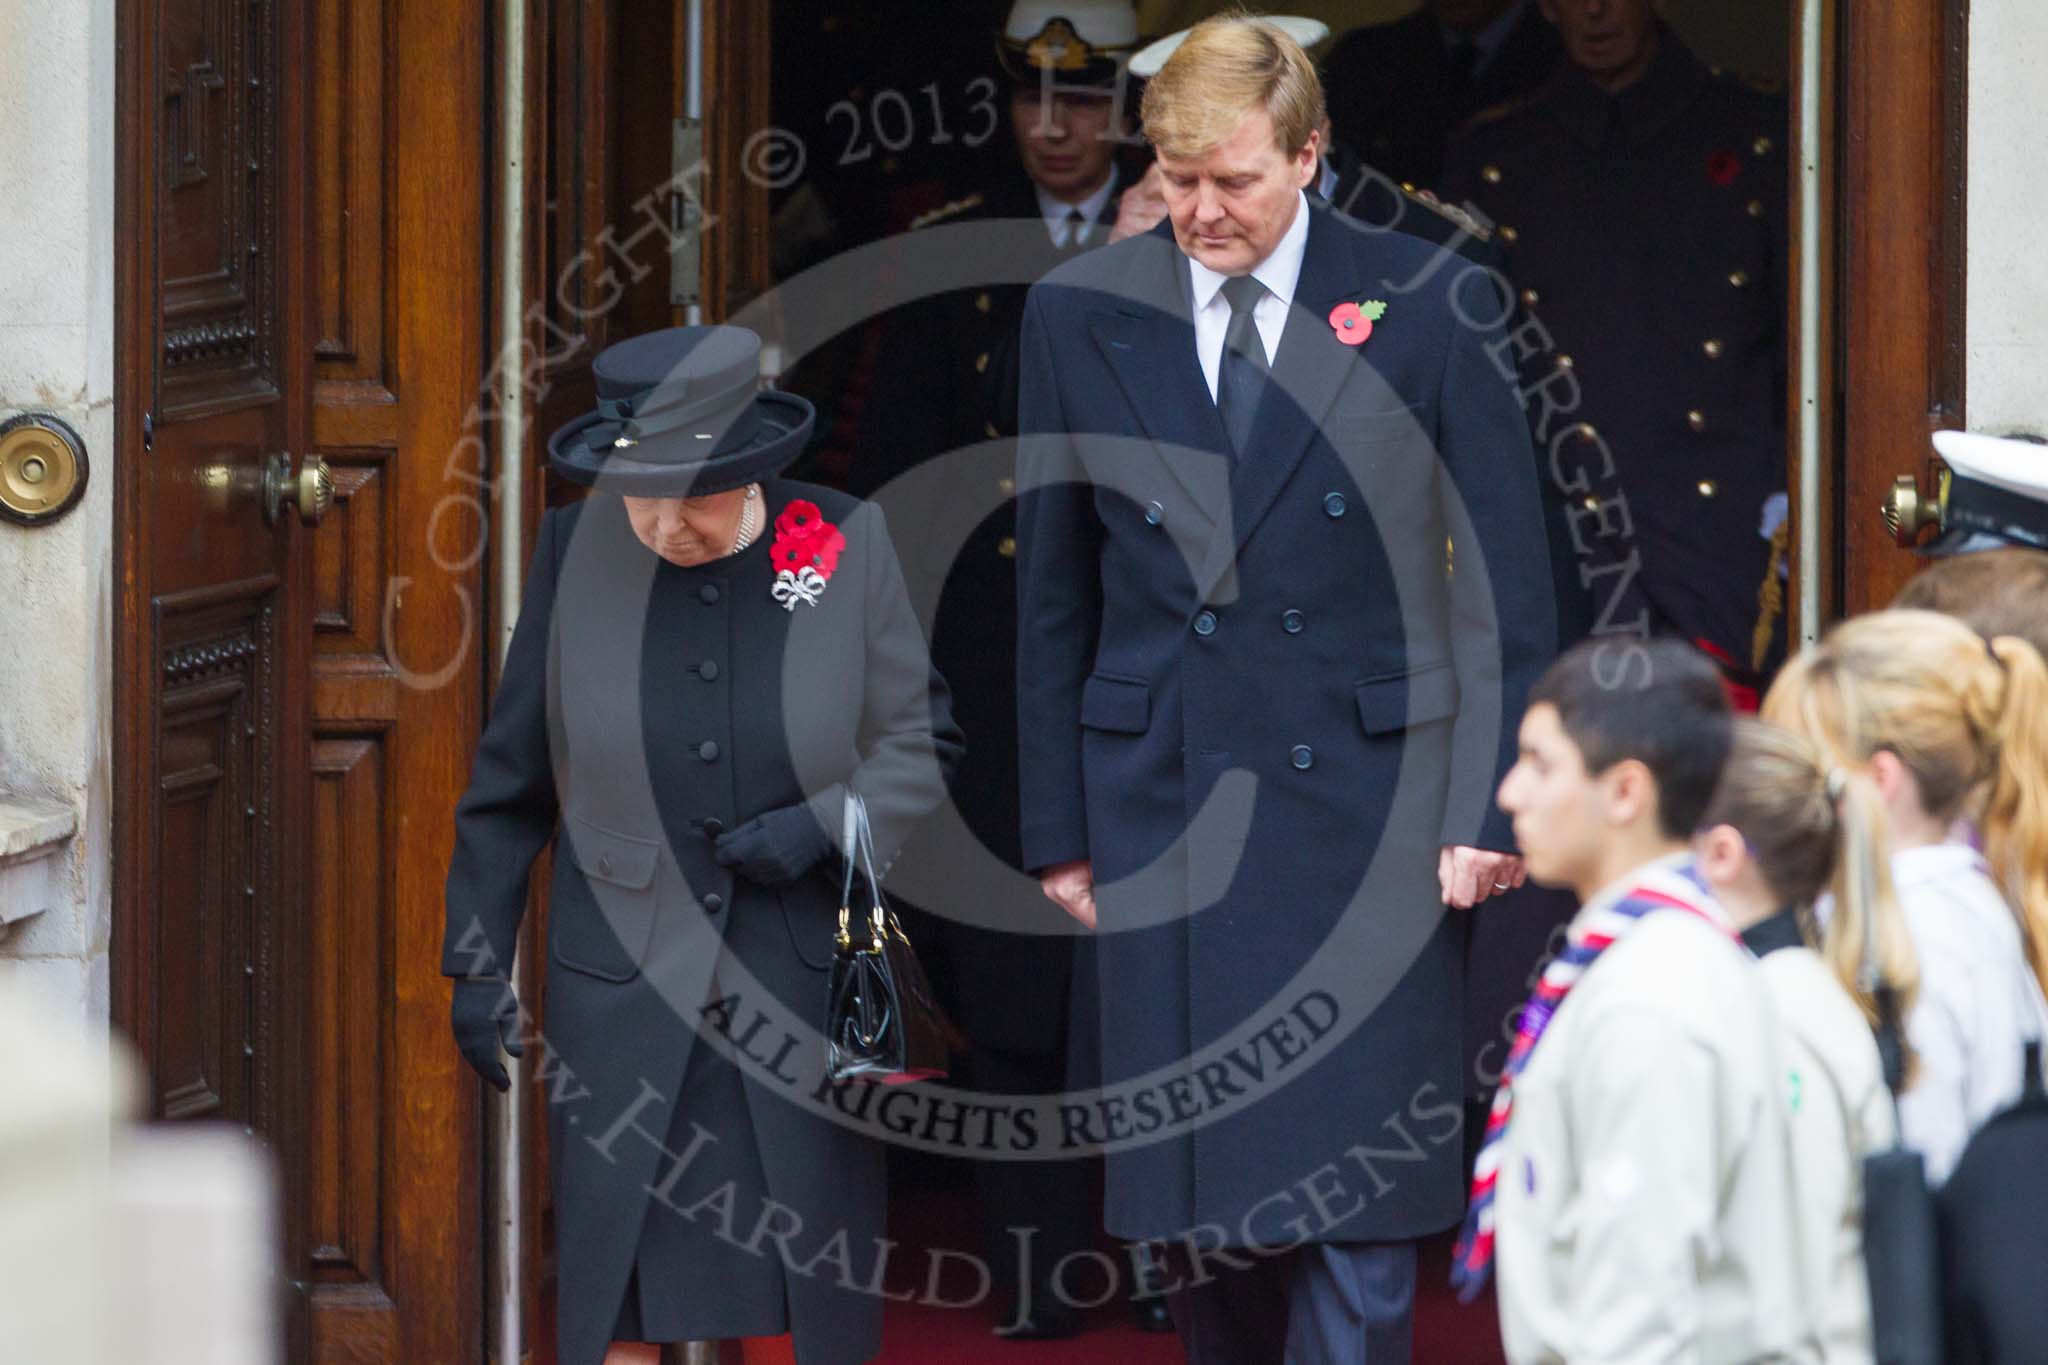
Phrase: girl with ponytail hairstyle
(1949, 730)
(1785, 828)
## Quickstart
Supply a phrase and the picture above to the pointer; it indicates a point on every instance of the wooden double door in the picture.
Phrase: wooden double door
(302, 270)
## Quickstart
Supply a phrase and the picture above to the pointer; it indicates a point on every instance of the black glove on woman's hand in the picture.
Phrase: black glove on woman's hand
(775, 847)
(486, 1016)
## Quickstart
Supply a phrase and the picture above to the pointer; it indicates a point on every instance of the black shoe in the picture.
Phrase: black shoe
(1150, 1314)
(1047, 1321)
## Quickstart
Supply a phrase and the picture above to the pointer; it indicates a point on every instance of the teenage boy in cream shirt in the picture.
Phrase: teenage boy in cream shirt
(1638, 1177)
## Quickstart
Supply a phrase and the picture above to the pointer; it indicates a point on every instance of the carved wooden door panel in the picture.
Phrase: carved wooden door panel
(298, 639)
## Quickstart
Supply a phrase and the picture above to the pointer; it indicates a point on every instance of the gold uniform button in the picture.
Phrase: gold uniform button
(1565, 362)
(1008, 486)
(981, 363)
(1707, 488)
(1712, 346)
(1530, 298)
(1587, 431)
(1007, 547)
(981, 301)
(1591, 503)
(1762, 146)
(1756, 208)
(1490, 174)
(1408, 187)
(1739, 278)
(1507, 234)
(990, 428)
(1696, 419)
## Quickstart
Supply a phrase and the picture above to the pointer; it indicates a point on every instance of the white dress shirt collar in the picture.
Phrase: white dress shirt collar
(1055, 210)
(1279, 272)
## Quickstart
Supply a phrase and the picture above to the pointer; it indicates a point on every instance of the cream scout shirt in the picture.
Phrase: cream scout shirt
(1646, 1203)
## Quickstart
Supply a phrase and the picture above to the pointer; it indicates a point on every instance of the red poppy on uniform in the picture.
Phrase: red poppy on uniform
(1723, 167)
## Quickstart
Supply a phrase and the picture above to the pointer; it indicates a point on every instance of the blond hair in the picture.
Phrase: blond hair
(1966, 716)
(1815, 827)
(1225, 68)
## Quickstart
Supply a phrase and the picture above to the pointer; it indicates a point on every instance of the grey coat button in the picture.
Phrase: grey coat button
(1205, 624)
(708, 670)
(708, 751)
(604, 865)
(1154, 513)
(713, 826)
(708, 594)
(713, 903)
(1333, 503)
(1292, 621)
(1304, 757)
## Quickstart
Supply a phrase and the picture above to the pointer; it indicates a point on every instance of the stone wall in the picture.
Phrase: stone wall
(57, 580)
(2007, 354)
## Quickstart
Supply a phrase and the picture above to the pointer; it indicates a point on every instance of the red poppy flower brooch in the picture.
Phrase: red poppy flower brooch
(805, 552)
(1352, 322)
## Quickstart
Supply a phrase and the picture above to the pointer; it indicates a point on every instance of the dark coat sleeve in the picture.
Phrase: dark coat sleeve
(908, 741)
(1059, 604)
(507, 814)
(1503, 620)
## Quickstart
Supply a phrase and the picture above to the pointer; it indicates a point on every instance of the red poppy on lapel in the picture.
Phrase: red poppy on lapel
(804, 555)
(1723, 167)
(1352, 322)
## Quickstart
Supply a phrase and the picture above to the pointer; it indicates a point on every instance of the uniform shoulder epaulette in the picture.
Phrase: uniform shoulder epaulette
(945, 211)
(1462, 220)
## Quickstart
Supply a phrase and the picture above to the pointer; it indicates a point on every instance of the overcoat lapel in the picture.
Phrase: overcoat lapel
(1307, 375)
(1148, 339)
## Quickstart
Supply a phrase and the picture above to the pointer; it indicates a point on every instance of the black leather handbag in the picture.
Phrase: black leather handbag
(881, 1021)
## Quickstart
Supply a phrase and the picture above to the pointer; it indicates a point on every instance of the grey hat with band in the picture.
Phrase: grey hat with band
(680, 413)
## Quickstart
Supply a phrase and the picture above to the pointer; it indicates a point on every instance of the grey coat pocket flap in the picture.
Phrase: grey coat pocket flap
(1389, 704)
(1120, 704)
(620, 859)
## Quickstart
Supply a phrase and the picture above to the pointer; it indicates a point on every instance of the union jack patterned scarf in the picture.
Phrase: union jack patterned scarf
(1661, 886)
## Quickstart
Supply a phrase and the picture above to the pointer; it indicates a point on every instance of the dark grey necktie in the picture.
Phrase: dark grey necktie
(1241, 373)
(1077, 229)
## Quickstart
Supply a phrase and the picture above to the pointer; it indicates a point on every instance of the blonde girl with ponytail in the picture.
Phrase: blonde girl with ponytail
(1785, 828)
(1952, 731)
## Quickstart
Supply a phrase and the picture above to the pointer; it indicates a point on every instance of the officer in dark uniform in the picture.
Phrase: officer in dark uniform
(949, 383)
(1641, 203)
(1397, 91)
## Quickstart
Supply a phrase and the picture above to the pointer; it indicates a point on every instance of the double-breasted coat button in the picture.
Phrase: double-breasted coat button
(1762, 146)
(713, 903)
(1292, 621)
(1007, 547)
(1712, 346)
(708, 594)
(1205, 623)
(1304, 757)
(708, 670)
(708, 751)
(981, 363)
(1007, 487)
(1696, 419)
(1531, 298)
(1708, 488)
(1333, 503)
(1507, 234)
(1739, 278)
(1756, 208)
(981, 301)
(713, 827)
(1490, 174)
(1154, 513)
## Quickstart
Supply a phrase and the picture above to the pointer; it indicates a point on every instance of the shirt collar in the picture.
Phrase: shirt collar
(1279, 272)
(1489, 39)
(1675, 79)
(1055, 210)
(1780, 931)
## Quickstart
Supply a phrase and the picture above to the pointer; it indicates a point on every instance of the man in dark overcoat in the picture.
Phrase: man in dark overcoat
(1282, 587)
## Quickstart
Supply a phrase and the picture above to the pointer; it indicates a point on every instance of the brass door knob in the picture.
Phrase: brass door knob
(1906, 513)
(311, 490)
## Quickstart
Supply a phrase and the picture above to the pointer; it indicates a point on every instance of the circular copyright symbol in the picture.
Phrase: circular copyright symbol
(773, 158)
